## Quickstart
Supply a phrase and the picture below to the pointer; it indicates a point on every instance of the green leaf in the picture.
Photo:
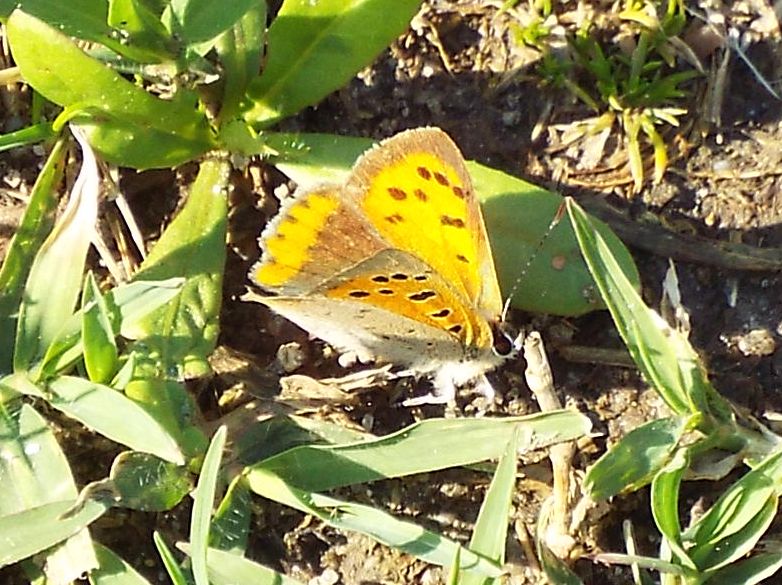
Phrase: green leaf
(723, 552)
(45, 308)
(113, 415)
(175, 341)
(101, 357)
(184, 333)
(240, 50)
(749, 571)
(203, 500)
(202, 20)
(89, 20)
(34, 468)
(228, 569)
(34, 530)
(231, 523)
(169, 561)
(665, 504)
(543, 264)
(256, 440)
(127, 125)
(33, 228)
(35, 474)
(114, 570)
(425, 446)
(636, 458)
(144, 482)
(383, 527)
(739, 517)
(141, 29)
(315, 48)
(310, 159)
(663, 355)
(491, 527)
(128, 303)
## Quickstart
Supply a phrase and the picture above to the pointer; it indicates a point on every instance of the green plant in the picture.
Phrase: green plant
(715, 547)
(161, 84)
(633, 90)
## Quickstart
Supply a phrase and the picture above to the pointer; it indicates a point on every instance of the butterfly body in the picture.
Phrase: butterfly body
(393, 265)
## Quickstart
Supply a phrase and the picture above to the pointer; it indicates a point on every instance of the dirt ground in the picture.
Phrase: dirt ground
(716, 214)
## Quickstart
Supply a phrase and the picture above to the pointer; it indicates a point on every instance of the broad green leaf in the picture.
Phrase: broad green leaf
(315, 48)
(145, 143)
(32, 531)
(203, 500)
(240, 49)
(755, 569)
(425, 446)
(383, 527)
(127, 125)
(229, 569)
(88, 20)
(541, 264)
(36, 473)
(231, 524)
(101, 357)
(168, 402)
(663, 355)
(33, 228)
(62, 257)
(135, 300)
(491, 528)
(636, 458)
(175, 340)
(114, 570)
(141, 29)
(310, 159)
(202, 20)
(34, 468)
(184, 333)
(113, 415)
(141, 481)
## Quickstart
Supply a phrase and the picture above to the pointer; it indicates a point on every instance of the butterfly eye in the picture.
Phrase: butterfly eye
(506, 343)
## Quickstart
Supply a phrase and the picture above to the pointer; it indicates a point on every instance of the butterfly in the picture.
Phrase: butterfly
(393, 265)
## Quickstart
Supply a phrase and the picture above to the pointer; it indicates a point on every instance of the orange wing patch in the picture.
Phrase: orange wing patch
(417, 192)
(288, 241)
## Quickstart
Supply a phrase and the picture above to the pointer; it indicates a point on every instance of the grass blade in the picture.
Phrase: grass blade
(383, 527)
(425, 446)
(45, 308)
(203, 500)
(36, 223)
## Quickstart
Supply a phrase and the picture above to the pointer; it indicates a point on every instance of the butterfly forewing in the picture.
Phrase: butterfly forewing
(417, 188)
(316, 234)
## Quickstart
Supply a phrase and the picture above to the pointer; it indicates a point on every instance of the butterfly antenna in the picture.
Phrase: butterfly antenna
(519, 279)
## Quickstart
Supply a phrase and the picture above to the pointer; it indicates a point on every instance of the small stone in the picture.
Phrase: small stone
(758, 342)
(290, 357)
